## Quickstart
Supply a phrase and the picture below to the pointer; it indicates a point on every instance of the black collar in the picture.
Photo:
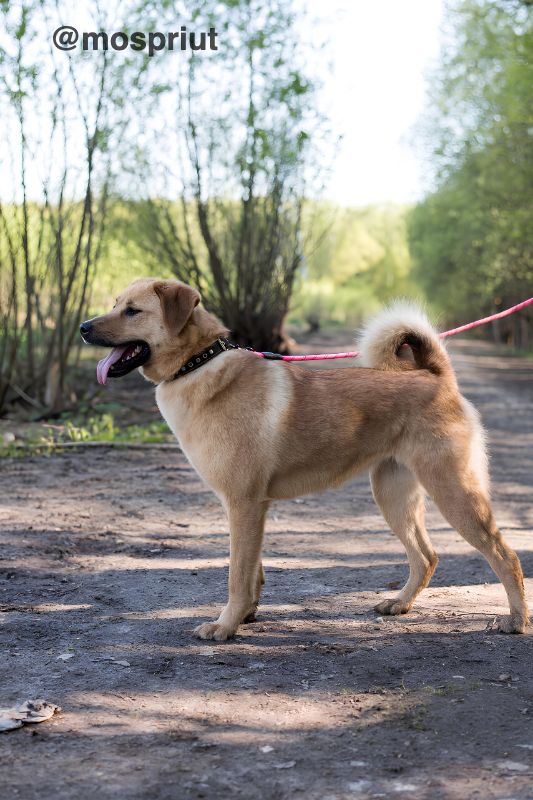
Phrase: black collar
(198, 360)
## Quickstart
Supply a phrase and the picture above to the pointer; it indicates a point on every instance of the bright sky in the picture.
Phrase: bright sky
(381, 52)
(373, 68)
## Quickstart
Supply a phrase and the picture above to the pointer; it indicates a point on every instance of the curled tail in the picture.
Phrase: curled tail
(402, 323)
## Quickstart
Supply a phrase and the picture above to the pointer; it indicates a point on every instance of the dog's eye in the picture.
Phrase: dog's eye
(130, 312)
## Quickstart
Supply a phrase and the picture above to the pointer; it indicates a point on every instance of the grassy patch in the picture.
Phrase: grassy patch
(48, 438)
(445, 690)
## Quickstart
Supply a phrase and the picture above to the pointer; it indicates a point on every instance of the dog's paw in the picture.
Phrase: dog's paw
(511, 624)
(392, 607)
(213, 630)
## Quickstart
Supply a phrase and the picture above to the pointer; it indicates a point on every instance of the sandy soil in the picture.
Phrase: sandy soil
(111, 557)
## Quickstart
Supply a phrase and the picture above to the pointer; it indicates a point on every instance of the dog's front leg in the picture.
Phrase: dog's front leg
(247, 522)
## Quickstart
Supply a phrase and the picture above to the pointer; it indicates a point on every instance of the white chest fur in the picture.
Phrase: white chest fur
(221, 430)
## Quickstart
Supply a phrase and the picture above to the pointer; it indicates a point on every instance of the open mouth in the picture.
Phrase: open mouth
(121, 360)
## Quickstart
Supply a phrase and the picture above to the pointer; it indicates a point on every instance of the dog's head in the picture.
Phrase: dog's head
(150, 326)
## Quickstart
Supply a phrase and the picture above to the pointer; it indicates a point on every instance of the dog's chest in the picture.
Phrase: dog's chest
(178, 416)
(229, 435)
(175, 414)
(197, 445)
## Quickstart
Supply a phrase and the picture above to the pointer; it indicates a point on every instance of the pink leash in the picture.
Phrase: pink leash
(444, 335)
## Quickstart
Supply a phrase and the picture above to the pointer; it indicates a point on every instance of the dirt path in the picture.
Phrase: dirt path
(112, 557)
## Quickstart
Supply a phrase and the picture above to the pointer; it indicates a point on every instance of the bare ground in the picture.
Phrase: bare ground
(113, 556)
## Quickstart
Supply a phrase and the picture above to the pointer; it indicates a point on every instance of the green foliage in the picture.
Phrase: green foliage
(238, 158)
(48, 439)
(104, 428)
(123, 254)
(361, 262)
(61, 127)
(471, 238)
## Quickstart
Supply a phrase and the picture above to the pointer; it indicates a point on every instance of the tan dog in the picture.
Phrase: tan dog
(258, 431)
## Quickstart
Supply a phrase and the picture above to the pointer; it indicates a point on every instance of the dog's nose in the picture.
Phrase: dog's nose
(85, 327)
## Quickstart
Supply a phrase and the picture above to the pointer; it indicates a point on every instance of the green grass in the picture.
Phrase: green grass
(102, 428)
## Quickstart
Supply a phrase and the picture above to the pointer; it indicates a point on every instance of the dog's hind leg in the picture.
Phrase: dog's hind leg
(401, 500)
(464, 502)
(247, 522)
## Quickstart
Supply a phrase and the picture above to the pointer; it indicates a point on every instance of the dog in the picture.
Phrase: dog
(258, 430)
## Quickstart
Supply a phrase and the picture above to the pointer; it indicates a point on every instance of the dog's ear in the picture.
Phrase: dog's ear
(178, 301)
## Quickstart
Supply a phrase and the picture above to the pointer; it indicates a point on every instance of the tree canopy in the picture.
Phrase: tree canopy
(471, 238)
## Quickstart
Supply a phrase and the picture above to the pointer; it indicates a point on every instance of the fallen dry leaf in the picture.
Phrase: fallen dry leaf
(29, 712)
(8, 723)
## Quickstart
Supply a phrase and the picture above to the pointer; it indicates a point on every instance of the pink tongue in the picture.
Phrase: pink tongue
(104, 365)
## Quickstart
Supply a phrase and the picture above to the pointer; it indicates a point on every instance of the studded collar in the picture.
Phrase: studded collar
(199, 359)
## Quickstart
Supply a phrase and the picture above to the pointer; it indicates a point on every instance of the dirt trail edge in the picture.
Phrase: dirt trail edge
(111, 557)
